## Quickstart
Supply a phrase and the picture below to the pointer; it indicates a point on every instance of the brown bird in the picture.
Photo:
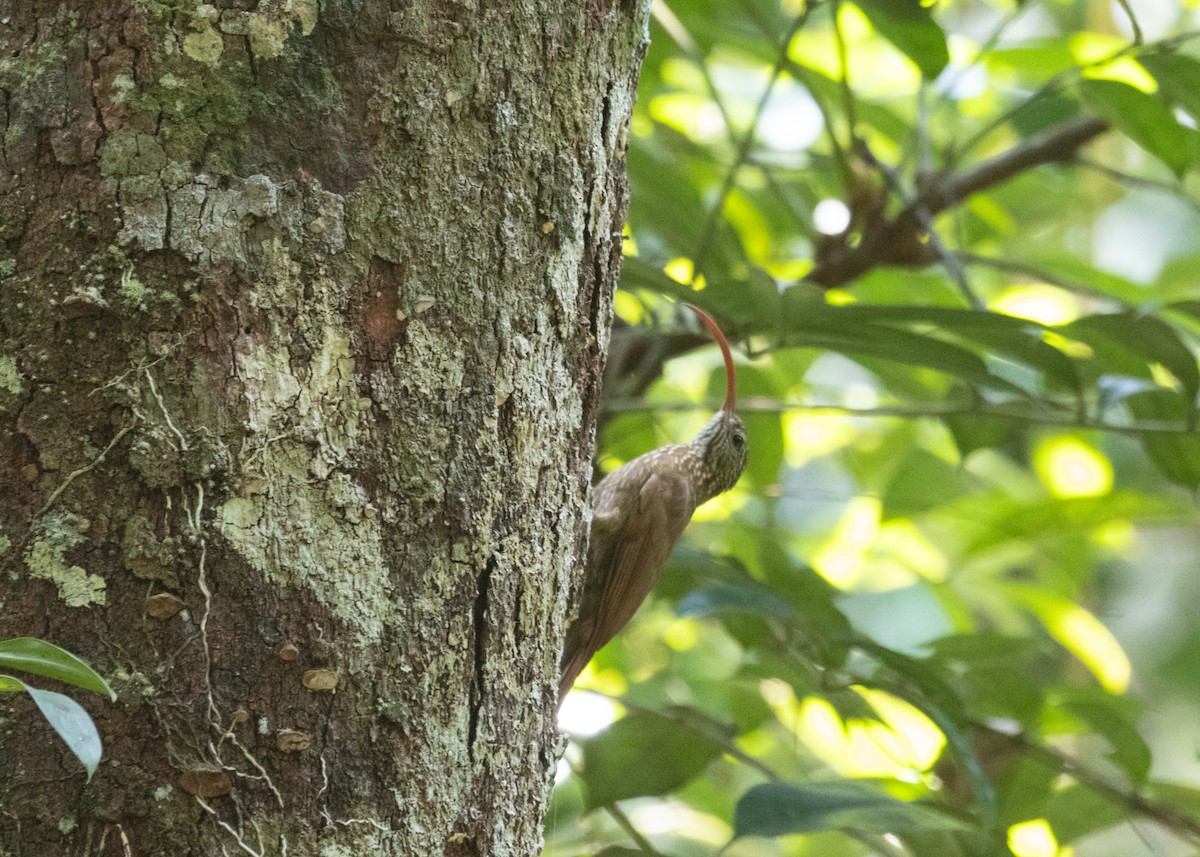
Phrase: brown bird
(639, 511)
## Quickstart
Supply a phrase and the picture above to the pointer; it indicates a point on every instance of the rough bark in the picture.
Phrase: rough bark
(302, 315)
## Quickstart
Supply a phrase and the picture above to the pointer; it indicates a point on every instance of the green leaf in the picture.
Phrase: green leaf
(643, 753)
(982, 431)
(636, 273)
(921, 482)
(910, 27)
(1175, 454)
(894, 344)
(763, 428)
(820, 623)
(1111, 716)
(1148, 337)
(1179, 78)
(70, 721)
(1017, 338)
(32, 655)
(1142, 118)
(1037, 59)
(779, 809)
(744, 598)
(1043, 111)
(1076, 811)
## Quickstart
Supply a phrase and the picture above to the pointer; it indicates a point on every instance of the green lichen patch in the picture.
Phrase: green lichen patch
(55, 535)
(268, 28)
(204, 44)
(10, 376)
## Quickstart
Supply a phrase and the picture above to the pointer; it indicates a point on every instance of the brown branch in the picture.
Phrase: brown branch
(1168, 816)
(896, 240)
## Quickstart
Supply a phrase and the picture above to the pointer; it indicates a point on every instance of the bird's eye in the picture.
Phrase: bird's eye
(739, 440)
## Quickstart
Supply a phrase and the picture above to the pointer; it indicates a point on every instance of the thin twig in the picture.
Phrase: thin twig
(881, 243)
(632, 832)
(1175, 190)
(1133, 21)
(717, 210)
(684, 41)
(949, 260)
(848, 101)
(1185, 826)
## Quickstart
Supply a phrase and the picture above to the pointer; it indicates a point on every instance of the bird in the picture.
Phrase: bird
(639, 511)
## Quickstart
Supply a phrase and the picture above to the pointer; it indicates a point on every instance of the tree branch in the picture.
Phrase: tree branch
(1168, 816)
(896, 240)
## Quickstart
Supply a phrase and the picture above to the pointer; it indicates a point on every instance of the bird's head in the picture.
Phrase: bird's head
(721, 443)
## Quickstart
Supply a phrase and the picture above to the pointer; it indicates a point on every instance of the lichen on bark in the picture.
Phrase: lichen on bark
(302, 357)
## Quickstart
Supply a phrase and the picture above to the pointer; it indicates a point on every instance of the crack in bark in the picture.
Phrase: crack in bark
(483, 588)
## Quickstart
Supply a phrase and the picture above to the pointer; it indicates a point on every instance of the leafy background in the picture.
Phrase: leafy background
(949, 608)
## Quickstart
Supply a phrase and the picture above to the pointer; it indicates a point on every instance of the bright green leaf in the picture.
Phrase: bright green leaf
(1143, 118)
(910, 27)
(32, 655)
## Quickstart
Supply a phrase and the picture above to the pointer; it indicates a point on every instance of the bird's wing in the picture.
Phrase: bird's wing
(623, 563)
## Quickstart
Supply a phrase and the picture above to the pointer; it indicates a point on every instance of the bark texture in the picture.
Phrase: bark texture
(302, 314)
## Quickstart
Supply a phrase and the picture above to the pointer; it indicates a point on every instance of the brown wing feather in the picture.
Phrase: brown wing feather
(623, 567)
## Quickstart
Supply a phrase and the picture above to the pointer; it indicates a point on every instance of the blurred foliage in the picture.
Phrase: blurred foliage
(949, 608)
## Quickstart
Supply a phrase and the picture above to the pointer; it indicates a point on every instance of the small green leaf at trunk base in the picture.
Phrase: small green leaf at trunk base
(32, 655)
(68, 719)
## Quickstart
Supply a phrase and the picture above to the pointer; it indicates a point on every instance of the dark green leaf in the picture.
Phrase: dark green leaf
(1044, 111)
(1150, 337)
(1017, 338)
(919, 673)
(70, 721)
(743, 598)
(1112, 717)
(642, 754)
(910, 27)
(897, 345)
(779, 809)
(1179, 77)
(764, 429)
(982, 431)
(1141, 117)
(820, 623)
(1175, 454)
(636, 273)
(1076, 811)
(32, 655)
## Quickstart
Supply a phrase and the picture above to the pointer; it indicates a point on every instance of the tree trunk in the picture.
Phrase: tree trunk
(302, 316)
